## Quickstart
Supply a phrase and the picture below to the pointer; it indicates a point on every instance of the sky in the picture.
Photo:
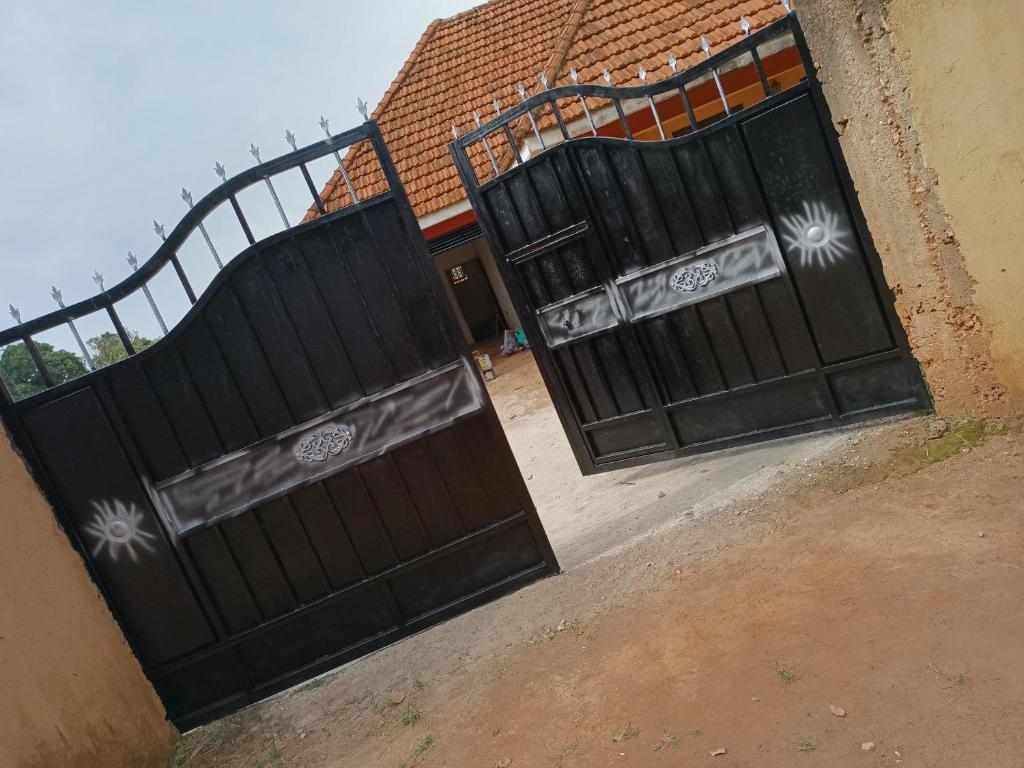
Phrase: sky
(108, 108)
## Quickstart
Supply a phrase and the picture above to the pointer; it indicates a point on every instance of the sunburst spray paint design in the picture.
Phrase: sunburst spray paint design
(115, 527)
(816, 236)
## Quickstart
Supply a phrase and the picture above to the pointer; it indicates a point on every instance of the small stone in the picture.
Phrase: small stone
(396, 698)
(561, 626)
(937, 429)
(837, 711)
(718, 752)
(661, 494)
(504, 763)
(867, 746)
(754, 698)
(981, 534)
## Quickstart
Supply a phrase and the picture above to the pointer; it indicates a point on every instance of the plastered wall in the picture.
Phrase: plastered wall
(905, 150)
(964, 66)
(71, 693)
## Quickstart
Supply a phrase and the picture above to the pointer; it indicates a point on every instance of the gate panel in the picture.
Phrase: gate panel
(306, 468)
(691, 293)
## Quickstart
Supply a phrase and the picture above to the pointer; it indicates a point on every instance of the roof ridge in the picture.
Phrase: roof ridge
(564, 40)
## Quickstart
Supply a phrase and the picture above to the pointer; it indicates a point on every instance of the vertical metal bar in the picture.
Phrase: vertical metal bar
(255, 152)
(487, 146)
(583, 102)
(529, 113)
(58, 297)
(241, 219)
(622, 119)
(706, 45)
(187, 197)
(183, 278)
(312, 188)
(134, 262)
(121, 332)
(642, 74)
(508, 134)
(688, 107)
(761, 73)
(558, 116)
(341, 165)
(37, 358)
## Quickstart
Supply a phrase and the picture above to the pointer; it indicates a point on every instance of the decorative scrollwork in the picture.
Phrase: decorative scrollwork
(695, 276)
(323, 443)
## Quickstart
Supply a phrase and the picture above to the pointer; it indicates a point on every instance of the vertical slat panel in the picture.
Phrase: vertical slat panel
(642, 204)
(673, 199)
(228, 588)
(184, 408)
(699, 178)
(357, 511)
(579, 392)
(294, 550)
(149, 427)
(756, 333)
(259, 565)
(788, 326)
(487, 463)
(701, 359)
(394, 506)
(304, 306)
(735, 178)
(327, 534)
(456, 469)
(726, 342)
(428, 493)
(617, 374)
(622, 242)
(601, 397)
(668, 359)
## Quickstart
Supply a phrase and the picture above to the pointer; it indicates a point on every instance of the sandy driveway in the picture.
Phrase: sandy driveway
(759, 601)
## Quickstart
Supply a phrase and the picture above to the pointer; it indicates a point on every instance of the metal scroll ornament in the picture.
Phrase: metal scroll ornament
(693, 277)
(325, 442)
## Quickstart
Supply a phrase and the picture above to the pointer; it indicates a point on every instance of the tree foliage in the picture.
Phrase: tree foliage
(23, 379)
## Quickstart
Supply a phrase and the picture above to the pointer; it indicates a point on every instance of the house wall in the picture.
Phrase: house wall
(963, 64)
(72, 694)
(901, 89)
(476, 249)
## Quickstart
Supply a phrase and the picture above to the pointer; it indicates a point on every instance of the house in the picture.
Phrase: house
(465, 63)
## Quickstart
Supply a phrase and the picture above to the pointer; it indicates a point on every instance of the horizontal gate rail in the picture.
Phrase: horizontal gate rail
(167, 253)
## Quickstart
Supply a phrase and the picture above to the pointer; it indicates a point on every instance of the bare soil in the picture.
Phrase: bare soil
(886, 582)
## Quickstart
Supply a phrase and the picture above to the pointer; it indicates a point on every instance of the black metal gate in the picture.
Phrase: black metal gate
(689, 293)
(305, 468)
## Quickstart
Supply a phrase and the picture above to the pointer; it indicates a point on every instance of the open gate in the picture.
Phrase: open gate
(305, 468)
(688, 293)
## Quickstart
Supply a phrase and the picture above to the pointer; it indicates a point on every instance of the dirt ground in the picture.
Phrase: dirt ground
(885, 583)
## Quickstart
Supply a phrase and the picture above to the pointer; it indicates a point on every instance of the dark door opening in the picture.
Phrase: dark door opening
(476, 300)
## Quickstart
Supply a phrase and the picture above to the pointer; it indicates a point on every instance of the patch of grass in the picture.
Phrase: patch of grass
(272, 760)
(418, 684)
(409, 715)
(627, 732)
(961, 433)
(955, 681)
(312, 685)
(786, 674)
(806, 745)
(423, 746)
(694, 732)
(666, 741)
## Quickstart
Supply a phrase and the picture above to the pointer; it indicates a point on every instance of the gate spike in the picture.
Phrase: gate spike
(672, 62)
(57, 296)
(607, 76)
(529, 113)
(326, 126)
(220, 171)
(455, 131)
(186, 196)
(575, 76)
(290, 138)
(544, 80)
(134, 263)
(705, 45)
(15, 313)
(159, 229)
(255, 152)
(98, 279)
(745, 25)
(787, 5)
(361, 108)
(487, 146)
(642, 74)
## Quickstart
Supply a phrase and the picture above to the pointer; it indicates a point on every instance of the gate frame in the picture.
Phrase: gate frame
(10, 417)
(548, 98)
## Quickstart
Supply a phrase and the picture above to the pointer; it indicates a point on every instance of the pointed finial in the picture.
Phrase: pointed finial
(361, 108)
(787, 5)
(219, 170)
(574, 75)
(134, 262)
(497, 106)
(705, 45)
(544, 80)
(290, 138)
(159, 229)
(57, 296)
(476, 118)
(455, 131)
(15, 313)
(98, 279)
(745, 25)
(186, 196)
(522, 90)
(255, 152)
(642, 74)
(326, 126)
(607, 76)
(672, 63)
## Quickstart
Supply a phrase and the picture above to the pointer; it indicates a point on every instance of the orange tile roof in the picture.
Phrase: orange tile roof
(461, 63)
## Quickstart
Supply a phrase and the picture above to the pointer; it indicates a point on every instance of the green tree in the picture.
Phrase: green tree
(23, 379)
(107, 349)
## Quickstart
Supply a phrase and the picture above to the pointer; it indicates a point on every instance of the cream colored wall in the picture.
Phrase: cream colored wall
(964, 65)
(72, 694)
